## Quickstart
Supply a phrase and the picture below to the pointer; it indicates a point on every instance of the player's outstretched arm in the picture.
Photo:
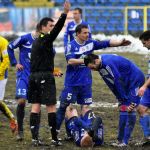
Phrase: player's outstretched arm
(123, 42)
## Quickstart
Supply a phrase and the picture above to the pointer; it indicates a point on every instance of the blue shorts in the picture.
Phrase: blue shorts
(80, 94)
(21, 88)
(145, 100)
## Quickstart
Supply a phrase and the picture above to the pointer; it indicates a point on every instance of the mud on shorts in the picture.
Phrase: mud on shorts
(42, 88)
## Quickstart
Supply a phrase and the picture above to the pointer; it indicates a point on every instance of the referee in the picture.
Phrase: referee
(42, 89)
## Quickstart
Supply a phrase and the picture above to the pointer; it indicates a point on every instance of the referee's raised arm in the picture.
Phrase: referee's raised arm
(60, 23)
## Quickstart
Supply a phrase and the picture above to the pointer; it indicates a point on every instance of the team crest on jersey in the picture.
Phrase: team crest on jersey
(85, 48)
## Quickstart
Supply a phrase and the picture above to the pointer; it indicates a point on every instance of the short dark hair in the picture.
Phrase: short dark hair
(90, 58)
(145, 35)
(79, 9)
(38, 27)
(43, 22)
(80, 27)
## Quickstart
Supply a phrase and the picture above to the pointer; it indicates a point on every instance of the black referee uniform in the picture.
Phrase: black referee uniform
(42, 87)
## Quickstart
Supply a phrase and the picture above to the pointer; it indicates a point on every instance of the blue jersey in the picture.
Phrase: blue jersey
(70, 31)
(122, 76)
(24, 43)
(77, 127)
(79, 75)
(88, 118)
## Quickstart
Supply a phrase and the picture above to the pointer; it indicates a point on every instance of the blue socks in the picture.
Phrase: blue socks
(145, 124)
(126, 125)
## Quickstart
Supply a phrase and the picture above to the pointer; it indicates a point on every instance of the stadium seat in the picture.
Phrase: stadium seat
(92, 20)
(120, 28)
(59, 1)
(110, 28)
(99, 28)
(148, 12)
(90, 2)
(133, 28)
(134, 1)
(113, 21)
(106, 13)
(145, 1)
(135, 21)
(95, 13)
(102, 20)
(117, 13)
(81, 2)
(88, 13)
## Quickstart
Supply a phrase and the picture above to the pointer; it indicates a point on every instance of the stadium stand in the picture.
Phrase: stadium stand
(109, 15)
(6, 3)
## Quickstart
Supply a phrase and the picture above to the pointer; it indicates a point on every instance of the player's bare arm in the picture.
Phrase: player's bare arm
(123, 42)
(143, 88)
(74, 61)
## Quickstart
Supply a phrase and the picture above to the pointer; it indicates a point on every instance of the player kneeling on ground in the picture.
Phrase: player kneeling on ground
(86, 130)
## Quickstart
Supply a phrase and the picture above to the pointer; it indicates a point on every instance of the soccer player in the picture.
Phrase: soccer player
(42, 89)
(87, 129)
(123, 78)
(24, 43)
(144, 91)
(70, 29)
(4, 65)
(78, 79)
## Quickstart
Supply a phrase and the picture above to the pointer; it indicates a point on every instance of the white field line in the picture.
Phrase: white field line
(13, 103)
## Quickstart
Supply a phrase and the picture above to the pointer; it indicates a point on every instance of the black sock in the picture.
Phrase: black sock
(34, 125)
(52, 125)
(20, 116)
(39, 120)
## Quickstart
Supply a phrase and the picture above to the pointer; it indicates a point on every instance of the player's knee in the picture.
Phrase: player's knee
(142, 110)
(35, 108)
(21, 101)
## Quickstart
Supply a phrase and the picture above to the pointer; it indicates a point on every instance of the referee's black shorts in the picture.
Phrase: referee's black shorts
(42, 88)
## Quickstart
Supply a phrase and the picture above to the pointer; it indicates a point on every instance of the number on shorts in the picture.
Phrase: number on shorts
(22, 91)
(91, 115)
(69, 96)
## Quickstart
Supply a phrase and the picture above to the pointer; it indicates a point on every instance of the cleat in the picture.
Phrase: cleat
(13, 125)
(56, 143)
(144, 142)
(37, 143)
(59, 139)
(122, 145)
(118, 144)
(20, 136)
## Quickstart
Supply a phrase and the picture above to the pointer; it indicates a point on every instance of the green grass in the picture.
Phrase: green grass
(100, 93)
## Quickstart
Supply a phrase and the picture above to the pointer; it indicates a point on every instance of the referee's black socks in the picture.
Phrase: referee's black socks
(34, 125)
(52, 125)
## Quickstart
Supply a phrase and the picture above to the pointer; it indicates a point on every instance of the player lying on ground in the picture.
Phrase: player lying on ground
(87, 129)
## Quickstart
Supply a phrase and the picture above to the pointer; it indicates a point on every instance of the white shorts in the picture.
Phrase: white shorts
(2, 88)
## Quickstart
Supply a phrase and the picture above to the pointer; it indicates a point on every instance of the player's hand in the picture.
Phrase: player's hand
(57, 72)
(19, 67)
(125, 42)
(142, 90)
(67, 6)
(131, 107)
